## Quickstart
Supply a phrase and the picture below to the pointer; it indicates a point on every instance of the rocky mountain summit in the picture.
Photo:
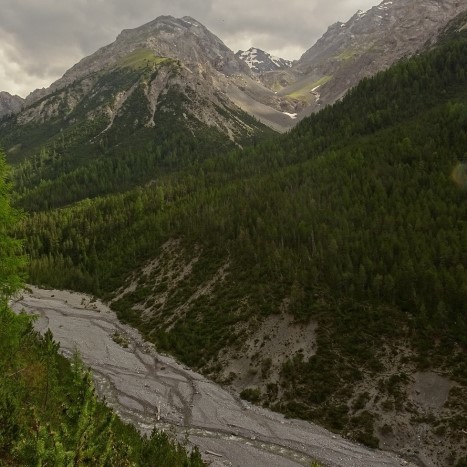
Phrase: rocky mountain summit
(10, 104)
(177, 53)
(183, 39)
(260, 61)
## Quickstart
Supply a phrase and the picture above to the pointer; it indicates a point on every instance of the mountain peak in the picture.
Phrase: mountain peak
(184, 39)
(260, 61)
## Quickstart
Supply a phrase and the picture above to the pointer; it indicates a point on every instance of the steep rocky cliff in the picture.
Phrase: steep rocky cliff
(9, 104)
(368, 42)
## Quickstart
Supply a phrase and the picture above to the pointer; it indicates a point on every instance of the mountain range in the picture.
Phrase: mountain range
(277, 92)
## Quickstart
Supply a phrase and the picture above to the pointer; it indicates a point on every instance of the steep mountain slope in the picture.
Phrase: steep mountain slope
(183, 39)
(212, 66)
(10, 104)
(133, 109)
(367, 43)
(321, 273)
(260, 61)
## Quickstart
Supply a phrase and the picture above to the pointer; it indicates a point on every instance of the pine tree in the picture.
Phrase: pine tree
(11, 259)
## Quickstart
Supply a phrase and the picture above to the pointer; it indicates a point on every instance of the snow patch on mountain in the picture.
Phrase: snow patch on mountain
(260, 61)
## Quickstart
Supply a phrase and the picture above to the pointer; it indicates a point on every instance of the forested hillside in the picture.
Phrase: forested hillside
(118, 128)
(355, 220)
(49, 413)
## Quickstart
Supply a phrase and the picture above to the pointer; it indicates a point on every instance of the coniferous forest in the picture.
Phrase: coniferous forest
(355, 219)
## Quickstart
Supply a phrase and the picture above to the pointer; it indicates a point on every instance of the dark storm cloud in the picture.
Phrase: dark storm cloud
(41, 39)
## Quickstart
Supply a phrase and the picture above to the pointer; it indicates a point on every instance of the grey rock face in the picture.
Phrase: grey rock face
(260, 61)
(10, 104)
(183, 39)
(391, 30)
(372, 41)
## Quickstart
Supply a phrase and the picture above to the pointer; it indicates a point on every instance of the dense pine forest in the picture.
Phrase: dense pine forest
(355, 219)
(49, 413)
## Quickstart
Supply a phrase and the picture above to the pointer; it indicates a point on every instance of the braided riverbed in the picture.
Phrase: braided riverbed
(150, 389)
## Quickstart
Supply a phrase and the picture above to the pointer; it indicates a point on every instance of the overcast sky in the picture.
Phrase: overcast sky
(41, 39)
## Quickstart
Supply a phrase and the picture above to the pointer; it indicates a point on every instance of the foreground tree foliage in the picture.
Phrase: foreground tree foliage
(10, 248)
(49, 412)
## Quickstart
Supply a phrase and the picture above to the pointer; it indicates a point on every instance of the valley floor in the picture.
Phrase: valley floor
(147, 389)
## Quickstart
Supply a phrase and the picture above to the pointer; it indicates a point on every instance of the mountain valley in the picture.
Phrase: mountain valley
(320, 273)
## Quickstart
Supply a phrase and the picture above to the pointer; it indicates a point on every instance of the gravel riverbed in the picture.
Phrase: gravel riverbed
(150, 389)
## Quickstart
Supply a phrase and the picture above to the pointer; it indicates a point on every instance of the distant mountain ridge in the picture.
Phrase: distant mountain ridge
(183, 39)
